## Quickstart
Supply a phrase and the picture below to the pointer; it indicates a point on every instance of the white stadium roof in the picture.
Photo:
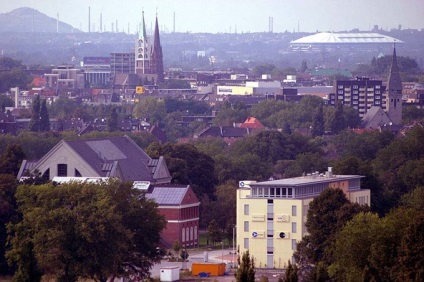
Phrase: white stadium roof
(342, 38)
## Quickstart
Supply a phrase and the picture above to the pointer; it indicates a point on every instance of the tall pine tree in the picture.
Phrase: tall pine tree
(318, 123)
(34, 124)
(44, 117)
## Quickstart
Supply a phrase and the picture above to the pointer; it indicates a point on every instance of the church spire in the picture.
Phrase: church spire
(157, 56)
(394, 81)
(394, 92)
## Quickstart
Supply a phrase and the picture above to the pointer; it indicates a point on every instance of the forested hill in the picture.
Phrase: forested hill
(30, 20)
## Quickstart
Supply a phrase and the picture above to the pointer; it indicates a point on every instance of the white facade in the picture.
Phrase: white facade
(271, 215)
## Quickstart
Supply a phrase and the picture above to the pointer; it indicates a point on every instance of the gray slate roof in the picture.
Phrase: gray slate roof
(104, 154)
(168, 195)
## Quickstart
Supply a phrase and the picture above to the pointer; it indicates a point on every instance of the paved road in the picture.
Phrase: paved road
(215, 256)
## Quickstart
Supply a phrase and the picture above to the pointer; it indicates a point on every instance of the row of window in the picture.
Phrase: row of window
(270, 227)
(246, 245)
(189, 234)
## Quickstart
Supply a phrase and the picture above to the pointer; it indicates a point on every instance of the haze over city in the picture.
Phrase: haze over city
(221, 16)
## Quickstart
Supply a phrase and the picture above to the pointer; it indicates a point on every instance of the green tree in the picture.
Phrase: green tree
(8, 214)
(327, 214)
(411, 252)
(11, 159)
(338, 123)
(34, 124)
(87, 230)
(150, 108)
(291, 273)
(5, 101)
(317, 128)
(44, 117)
(112, 121)
(187, 165)
(246, 271)
(214, 232)
(176, 246)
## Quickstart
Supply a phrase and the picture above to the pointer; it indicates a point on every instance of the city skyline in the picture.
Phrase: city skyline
(238, 16)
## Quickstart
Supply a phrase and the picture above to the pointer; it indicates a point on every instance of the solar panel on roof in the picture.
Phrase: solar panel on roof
(106, 150)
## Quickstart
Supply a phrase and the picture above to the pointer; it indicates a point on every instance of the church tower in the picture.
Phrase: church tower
(394, 93)
(156, 59)
(142, 54)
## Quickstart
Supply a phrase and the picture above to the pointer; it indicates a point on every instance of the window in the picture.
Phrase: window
(77, 173)
(294, 211)
(294, 227)
(183, 235)
(187, 234)
(62, 170)
(246, 243)
(246, 209)
(46, 174)
(294, 244)
(246, 226)
(191, 233)
(195, 232)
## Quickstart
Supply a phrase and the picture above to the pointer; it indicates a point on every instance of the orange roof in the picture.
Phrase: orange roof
(252, 122)
(38, 81)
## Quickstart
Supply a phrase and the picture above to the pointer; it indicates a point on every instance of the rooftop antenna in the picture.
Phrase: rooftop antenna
(89, 19)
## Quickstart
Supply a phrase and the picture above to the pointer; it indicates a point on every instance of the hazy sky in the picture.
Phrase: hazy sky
(233, 15)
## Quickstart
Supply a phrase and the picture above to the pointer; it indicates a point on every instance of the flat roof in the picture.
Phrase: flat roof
(303, 180)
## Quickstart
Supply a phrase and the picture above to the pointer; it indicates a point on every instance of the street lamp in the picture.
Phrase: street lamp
(222, 252)
(234, 245)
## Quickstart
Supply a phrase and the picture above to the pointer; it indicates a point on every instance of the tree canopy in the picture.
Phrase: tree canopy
(85, 230)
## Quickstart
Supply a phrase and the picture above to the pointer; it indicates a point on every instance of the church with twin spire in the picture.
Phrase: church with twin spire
(148, 55)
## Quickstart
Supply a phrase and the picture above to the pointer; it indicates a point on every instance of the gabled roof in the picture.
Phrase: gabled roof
(108, 157)
(375, 117)
(173, 195)
(252, 122)
(101, 154)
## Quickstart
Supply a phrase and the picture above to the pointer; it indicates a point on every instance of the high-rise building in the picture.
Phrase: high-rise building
(271, 215)
(371, 97)
(360, 94)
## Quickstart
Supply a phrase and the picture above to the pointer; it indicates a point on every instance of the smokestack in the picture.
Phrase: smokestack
(101, 23)
(116, 26)
(57, 23)
(89, 19)
(174, 23)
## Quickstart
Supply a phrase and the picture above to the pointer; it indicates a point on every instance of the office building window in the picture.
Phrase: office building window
(191, 233)
(246, 243)
(294, 210)
(294, 227)
(195, 232)
(62, 170)
(246, 209)
(183, 235)
(294, 244)
(246, 226)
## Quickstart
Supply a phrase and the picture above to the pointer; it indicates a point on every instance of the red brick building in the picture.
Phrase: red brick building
(180, 206)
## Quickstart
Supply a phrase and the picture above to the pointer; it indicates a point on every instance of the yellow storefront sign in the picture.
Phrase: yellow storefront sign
(139, 90)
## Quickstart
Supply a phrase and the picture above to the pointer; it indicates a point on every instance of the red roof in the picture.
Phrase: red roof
(38, 81)
(252, 122)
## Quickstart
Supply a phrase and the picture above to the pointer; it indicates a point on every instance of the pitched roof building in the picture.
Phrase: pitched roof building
(180, 206)
(118, 157)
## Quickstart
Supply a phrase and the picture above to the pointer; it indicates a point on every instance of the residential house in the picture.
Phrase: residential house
(118, 157)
